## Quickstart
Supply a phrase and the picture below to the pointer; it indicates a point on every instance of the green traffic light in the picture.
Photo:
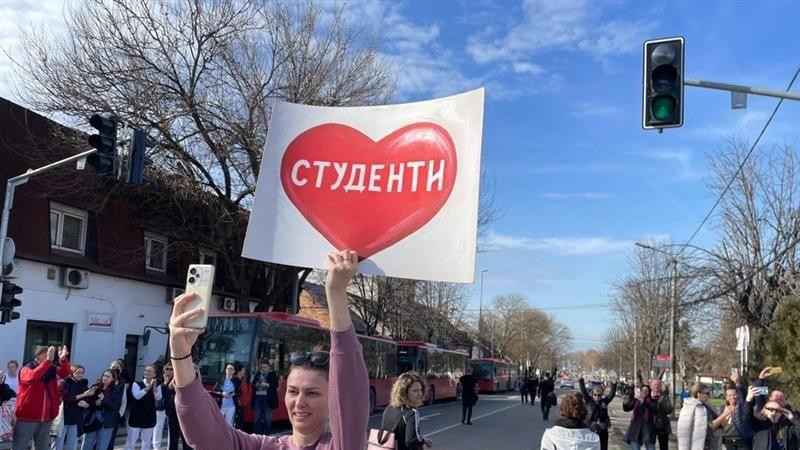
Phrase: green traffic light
(663, 107)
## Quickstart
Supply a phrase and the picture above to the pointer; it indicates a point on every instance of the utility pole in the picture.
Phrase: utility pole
(672, 314)
(480, 316)
(635, 346)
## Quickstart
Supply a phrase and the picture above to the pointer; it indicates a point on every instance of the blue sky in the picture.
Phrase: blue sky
(577, 178)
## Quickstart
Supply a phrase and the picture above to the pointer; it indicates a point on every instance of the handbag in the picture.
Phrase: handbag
(92, 421)
(551, 397)
(380, 439)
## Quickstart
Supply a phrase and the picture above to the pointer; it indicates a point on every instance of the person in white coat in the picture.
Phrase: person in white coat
(695, 423)
(571, 431)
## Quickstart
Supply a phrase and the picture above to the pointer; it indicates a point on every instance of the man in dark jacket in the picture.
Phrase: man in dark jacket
(546, 388)
(533, 388)
(664, 408)
(265, 397)
(597, 411)
(775, 427)
(469, 396)
(37, 402)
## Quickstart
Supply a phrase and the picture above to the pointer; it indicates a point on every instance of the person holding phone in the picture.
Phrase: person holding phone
(597, 405)
(775, 427)
(322, 387)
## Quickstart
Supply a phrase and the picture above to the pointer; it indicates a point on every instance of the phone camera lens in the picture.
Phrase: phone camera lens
(191, 279)
(193, 271)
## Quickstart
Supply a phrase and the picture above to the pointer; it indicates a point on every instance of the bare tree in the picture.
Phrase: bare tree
(201, 78)
(759, 228)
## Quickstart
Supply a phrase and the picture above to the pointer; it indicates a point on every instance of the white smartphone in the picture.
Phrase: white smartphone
(199, 281)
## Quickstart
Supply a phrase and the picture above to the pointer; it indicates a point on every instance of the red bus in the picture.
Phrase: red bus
(249, 338)
(441, 368)
(495, 375)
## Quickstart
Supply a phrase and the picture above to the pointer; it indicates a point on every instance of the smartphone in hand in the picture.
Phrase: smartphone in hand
(763, 390)
(775, 370)
(199, 281)
(734, 372)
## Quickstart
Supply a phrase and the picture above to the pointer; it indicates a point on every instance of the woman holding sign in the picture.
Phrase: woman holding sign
(317, 382)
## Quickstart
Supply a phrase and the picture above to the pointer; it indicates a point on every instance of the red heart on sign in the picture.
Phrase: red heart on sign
(365, 195)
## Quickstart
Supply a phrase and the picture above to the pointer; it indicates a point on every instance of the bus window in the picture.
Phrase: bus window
(225, 341)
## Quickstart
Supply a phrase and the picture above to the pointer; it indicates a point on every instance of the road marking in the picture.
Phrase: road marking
(474, 418)
(426, 417)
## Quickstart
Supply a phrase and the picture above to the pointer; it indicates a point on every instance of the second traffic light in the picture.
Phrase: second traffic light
(138, 159)
(662, 97)
(8, 291)
(105, 160)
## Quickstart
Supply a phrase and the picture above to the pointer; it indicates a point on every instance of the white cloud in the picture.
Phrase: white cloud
(577, 195)
(559, 245)
(564, 25)
(529, 68)
(680, 158)
(588, 109)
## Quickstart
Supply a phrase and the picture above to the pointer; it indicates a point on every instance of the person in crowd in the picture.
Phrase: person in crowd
(775, 427)
(776, 395)
(522, 385)
(696, 421)
(122, 383)
(533, 388)
(321, 386)
(12, 375)
(597, 410)
(401, 417)
(227, 392)
(570, 431)
(168, 393)
(37, 400)
(469, 395)
(736, 431)
(7, 397)
(546, 395)
(664, 408)
(641, 430)
(107, 399)
(142, 416)
(161, 413)
(72, 391)
(265, 398)
(246, 399)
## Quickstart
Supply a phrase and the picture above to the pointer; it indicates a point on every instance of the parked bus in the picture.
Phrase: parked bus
(495, 375)
(249, 338)
(440, 368)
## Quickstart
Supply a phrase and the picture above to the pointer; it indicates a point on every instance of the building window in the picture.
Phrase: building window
(208, 257)
(67, 228)
(48, 334)
(155, 252)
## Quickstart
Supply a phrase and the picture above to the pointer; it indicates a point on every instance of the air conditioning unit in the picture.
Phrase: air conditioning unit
(74, 278)
(173, 293)
(229, 304)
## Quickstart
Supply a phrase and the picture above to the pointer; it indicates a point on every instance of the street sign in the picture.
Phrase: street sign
(742, 337)
(738, 100)
(662, 361)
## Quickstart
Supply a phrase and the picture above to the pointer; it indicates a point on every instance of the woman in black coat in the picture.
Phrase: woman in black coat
(469, 396)
(401, 416)
(642, 429)
(773, 425)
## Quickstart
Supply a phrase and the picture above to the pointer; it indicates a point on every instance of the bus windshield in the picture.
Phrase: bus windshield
(227, 339)
(407, 358)
(482, 370)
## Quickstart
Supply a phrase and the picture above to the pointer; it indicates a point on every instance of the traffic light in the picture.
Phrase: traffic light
(138, 158)
(662, 99)
(8, 302)
(105, 160)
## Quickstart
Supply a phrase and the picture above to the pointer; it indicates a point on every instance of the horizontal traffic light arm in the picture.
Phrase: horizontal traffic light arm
(22, 179)
(739, 88)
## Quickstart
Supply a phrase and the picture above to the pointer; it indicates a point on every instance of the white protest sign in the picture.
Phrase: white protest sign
(397, 183)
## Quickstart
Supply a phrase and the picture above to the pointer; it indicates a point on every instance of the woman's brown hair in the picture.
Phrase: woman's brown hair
(572, 407)
(402, 385)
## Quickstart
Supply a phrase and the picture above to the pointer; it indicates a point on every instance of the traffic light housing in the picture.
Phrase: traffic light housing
(7, 302)
(105, 160)
(138, 158)
(662, 99)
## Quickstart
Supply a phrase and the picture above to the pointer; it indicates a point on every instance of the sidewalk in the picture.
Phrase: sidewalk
(619, 425)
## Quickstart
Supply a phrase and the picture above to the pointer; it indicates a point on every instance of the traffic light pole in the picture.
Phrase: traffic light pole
(22, 179)
(739, 88)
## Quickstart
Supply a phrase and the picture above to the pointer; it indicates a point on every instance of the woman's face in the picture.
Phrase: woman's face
(772, 411)
(78, 374)
(107, 378)
(307, 400)
(229, 371)
(149, 372)
(415, 393)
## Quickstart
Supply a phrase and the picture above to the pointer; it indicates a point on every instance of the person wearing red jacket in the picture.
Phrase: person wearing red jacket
(37, 401)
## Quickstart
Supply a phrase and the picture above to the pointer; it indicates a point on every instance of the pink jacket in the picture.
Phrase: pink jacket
(205, 428)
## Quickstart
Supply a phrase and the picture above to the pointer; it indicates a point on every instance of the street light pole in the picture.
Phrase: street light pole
(480, 315)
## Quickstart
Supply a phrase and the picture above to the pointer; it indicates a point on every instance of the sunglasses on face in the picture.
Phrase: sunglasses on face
(319, 359)
(706, 392)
